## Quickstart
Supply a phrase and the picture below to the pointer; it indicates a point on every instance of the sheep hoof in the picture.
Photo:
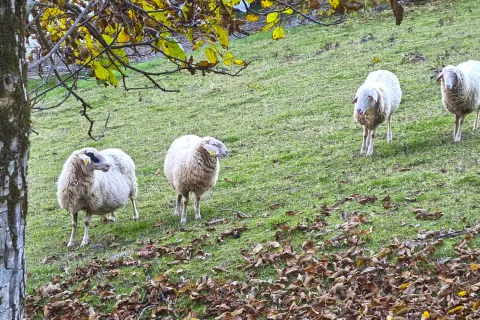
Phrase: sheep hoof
(198, 217)
(112, 219)
(134, 218)
(176, 214)
(183, 221)
(83, 244)
(70, 244)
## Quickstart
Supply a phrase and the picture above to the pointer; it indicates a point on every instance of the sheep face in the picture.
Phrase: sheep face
(450, 77)
(94, 160)
(365, 99)
(215, 147)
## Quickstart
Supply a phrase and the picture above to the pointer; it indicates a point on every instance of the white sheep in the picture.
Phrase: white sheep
(376, 99)
(461, 92)
(192, 165)
(98, 182)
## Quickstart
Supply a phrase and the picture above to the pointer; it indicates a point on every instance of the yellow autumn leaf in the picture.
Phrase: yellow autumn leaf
(425, 315)
(476, 305)
(334, 4)
(107, 39)
(266, 3)
(109, 30)
(123, 37)
(100, 72)
(474, 266)
(403, 286)
(222, 36)
(227, 58)
(251, 18)
(462, 293)
(198, 44)
(454, 309)
(288, 11)
(272, 17)
(239, 62)
(267, 26)
(278, 33)
(359, 262)
(211, 55)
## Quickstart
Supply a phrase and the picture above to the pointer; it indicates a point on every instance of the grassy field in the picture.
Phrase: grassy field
(293, 145)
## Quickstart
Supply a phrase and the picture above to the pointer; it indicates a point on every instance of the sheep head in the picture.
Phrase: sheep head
(94, 160)
(215, 147)
(450, 77)
(365, 99)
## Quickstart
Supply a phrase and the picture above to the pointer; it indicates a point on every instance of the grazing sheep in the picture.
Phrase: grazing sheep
(461, 92)
(376, 100)
(192, 165)
(98, 182)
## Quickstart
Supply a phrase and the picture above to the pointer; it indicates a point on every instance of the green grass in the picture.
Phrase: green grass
(287, 122)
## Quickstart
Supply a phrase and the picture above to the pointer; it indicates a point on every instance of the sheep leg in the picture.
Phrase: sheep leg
(85, 234)
(135, 212)
(184, 211)
(370, 144)
(389, 130)
(197, 207)
(71, 243)
(457, 118)
(475, 124)
(460, 120)
(112, 217)
(178, 205)
(364, 141)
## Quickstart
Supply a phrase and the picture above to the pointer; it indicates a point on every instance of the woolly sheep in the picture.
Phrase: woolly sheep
(98, 182)
(192, 165)
(376, 99)
(461, 92)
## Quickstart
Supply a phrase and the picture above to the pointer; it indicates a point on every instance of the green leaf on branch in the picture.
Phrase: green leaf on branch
(112, 78)
(173, 49)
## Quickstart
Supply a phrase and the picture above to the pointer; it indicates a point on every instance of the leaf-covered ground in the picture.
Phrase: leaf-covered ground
(327, 277)
(299, 226)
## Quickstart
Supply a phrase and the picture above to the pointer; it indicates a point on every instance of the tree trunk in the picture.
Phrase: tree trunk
(14, 129)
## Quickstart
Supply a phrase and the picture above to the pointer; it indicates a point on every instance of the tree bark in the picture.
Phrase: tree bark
(14, 129)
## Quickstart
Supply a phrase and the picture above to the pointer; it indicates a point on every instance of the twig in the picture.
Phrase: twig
(239, 213)
(144, 309)
(450, 234)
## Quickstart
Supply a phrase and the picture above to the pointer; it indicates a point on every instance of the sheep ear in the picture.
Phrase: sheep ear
(440, 76)
(354, 100)
(374, 95)
(86, 159)
(211, 149)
